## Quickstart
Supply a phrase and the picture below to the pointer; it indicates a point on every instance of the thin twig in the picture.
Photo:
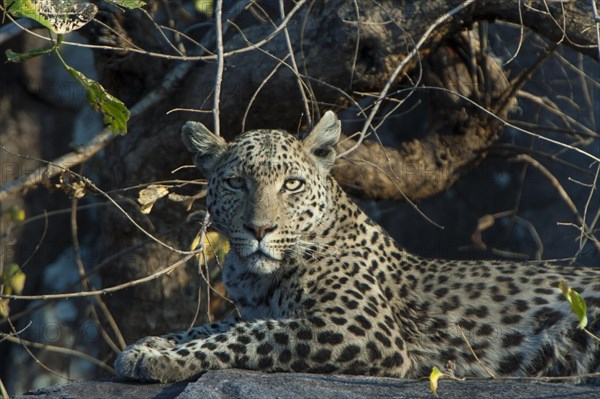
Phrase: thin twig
(98, 143)
(211, 288)
(288, 42)
(104, 291)
(10, 30)
(105, 262)
(555, 129)
(3, 390)
(81, 272)
(578, 228)
(560, 189)
(594, 82)
(220, 66)
(582, 240)
(399, 102)
(414, 51)
(543, 379)
(306, 83)
(58, 349)
(585, 92)
(171, 27)
(5, 336)
(519, 81)
(211, 57)
(551, 107)
(199, 111)
(87, 286)
(597, 24)
(24, 344)
(40, 241)
(162, 34)
(346, 96)
(188, 38)
(591, 334)
(357, 46)
(394, 179)
(259, 88)
(93, 186)
(474, 354)
(535, 235)
(206, 278)
(521, 36)
(300, 76)
(203, 229)
(511, 125)
(123, 38)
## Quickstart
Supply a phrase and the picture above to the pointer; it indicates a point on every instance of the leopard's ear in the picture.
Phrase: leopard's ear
(206, 146)
(320, 142)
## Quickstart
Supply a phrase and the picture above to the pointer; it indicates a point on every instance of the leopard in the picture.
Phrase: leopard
(321, 288)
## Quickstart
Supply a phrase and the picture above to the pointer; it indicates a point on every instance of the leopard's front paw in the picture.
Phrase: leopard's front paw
(149, 359)
(158, 343)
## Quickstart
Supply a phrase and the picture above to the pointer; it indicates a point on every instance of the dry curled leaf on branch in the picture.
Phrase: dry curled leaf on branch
(69, 183)
(149, 195)
(187, 200)
(12, 282)
(484, 222)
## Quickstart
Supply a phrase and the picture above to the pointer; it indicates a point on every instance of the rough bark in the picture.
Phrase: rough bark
(570, 23)
(381, 47)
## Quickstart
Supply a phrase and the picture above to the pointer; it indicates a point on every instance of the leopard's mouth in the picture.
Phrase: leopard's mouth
(258, 252)
(265, 253)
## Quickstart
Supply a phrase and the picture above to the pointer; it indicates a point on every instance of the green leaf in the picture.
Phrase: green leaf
(14, 214)
(115, 112)
(58, 16)
(4, 308)
(204, 6)
(20, 57)
(435, 375)
(215, 246)
(131, 4)
(13, 279)
(26, 9)
(12, 282)
(577, 303)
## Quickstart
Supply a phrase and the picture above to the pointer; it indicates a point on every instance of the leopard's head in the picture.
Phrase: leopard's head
(268, 191)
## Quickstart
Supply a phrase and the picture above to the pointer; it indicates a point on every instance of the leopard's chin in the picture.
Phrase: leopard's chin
(260, 263)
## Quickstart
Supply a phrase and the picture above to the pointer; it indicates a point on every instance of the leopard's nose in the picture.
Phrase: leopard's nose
(260, 231)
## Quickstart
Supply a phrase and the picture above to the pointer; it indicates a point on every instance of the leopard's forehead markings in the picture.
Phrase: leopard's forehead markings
(265, 153)
(268, 142)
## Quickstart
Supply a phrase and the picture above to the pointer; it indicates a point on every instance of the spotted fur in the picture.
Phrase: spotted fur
(323, 289)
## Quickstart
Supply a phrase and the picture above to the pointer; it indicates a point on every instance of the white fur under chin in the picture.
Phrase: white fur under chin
(260, 263)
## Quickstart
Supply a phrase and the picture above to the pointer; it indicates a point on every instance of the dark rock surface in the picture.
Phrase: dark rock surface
(241, 384)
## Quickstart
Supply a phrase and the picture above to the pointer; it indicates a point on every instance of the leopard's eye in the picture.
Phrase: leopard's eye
(235, 183)
(293, 185)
